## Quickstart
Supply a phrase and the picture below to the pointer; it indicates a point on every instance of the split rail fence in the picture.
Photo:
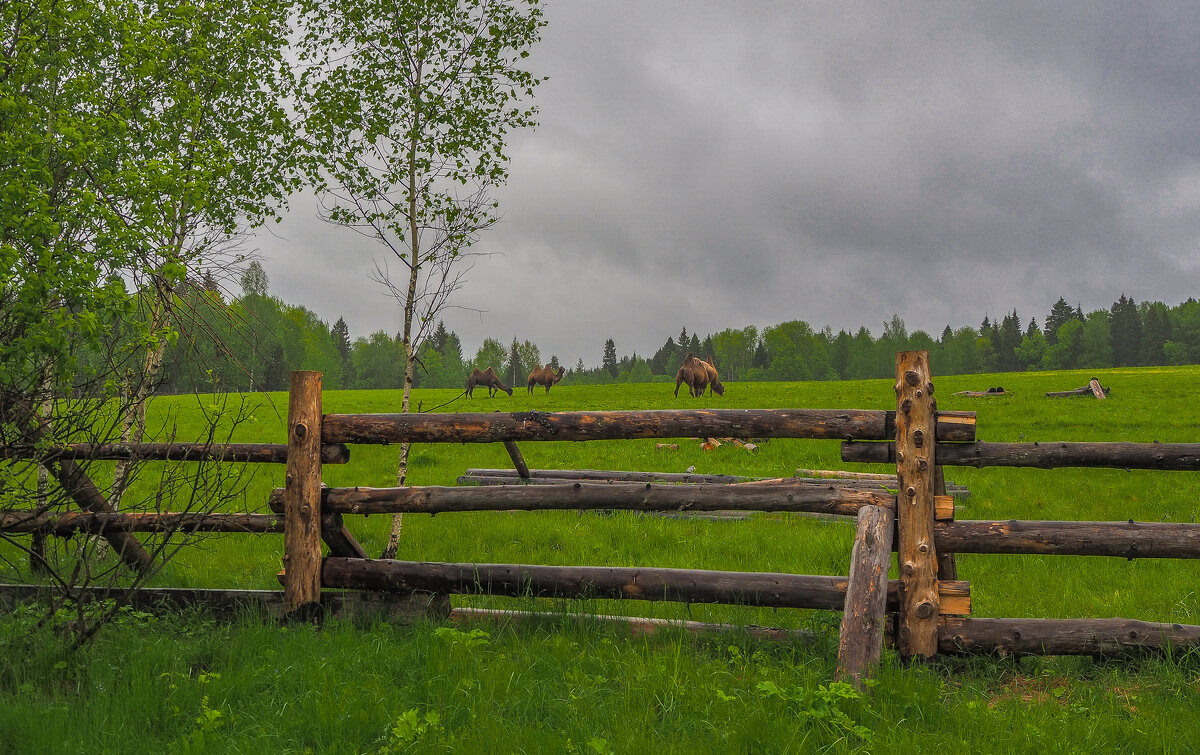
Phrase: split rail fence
(928, 606)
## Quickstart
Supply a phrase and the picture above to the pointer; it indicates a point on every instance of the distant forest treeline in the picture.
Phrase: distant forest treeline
(252, 342)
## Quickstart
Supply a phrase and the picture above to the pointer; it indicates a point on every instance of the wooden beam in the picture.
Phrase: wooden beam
(1095, 637)
(1182, 457)
(518, 460)
(1120, 539)
(860, 644)
(915, 471)
(591, 495)
(302, 496)
(261, 453)
(639, 583)
(497, 427)
(67, 523)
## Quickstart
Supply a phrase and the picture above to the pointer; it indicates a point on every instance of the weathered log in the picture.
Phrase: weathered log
(1096, 637)
(580, 495)
(640, 583)
(518, 460)
(1093, 388)
(302, 495)
(486, 480)
(860, 644)
(67, 523)
(498, 427)
(75, 482)
(638, 625)
(1122, 539)
(261, 453)
(615, 476)
(1052, 455)
(839, 474)
(233, 603)
(339, 539)
(915, 506)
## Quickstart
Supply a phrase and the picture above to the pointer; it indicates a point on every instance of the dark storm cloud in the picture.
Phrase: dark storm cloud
(718, 165)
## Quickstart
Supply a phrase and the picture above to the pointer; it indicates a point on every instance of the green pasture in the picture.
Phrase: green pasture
(188, 683)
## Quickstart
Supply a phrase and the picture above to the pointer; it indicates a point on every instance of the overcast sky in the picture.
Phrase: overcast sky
(717, 165)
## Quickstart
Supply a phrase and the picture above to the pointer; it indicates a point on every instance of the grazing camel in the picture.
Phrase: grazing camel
(697, 375)
(545, 376)
(486, 377)
(714, 384)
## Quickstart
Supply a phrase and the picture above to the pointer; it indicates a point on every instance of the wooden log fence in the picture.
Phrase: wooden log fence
(909, 513)
(1162, 456)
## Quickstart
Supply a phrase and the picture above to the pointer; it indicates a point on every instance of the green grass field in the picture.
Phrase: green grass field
(188, 683)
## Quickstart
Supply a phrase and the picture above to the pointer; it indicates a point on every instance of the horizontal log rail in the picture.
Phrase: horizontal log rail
(494, 477)
(496, 427)
(68, 523)
(1162, 456)
(1123, 539)
(612, 476)
(261, 453)
(639, 583)
(766, 496)
(1097, 637)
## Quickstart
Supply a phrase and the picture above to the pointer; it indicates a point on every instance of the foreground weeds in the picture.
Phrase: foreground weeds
(190, 684)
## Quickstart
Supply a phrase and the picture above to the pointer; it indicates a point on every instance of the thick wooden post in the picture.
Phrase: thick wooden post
(916, 475)
(302, 496)
(861, 642)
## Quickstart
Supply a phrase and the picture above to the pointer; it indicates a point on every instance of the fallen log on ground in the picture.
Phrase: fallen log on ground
(1093, 388)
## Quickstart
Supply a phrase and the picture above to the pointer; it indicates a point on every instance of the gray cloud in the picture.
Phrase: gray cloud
(718, 165)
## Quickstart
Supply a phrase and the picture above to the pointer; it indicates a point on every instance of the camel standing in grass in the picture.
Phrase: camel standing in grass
(697, 375)
(714, 383)
(486, 377)
(545, 376)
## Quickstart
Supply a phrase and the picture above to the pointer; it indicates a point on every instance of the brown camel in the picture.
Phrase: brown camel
(486, 377)
(545, 376)
(697, 375)
(714, 384)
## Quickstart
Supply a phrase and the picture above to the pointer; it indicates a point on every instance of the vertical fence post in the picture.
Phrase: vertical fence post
(860, 644)
(302, 496)
(916, 474)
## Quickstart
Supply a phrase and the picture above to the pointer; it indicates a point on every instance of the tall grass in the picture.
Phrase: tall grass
(186, 683)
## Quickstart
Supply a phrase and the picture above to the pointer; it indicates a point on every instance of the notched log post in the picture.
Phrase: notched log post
(302, 497)
(860, 644)
(916, 473)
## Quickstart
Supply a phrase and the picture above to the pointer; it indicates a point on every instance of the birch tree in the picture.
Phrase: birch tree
(408, 104)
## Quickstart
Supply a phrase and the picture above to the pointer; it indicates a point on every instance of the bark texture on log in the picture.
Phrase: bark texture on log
(66, 524)
(75, 482)
(302, 495)
(860, 644)
(580, 495)
(339, 539)
(518, 460)
(233, 603)
(1122, 539)
(640, 583)
(260, 453)
(1110, 637)
(497, 427)
(1045, 455)
(915, 506)
(600, 475)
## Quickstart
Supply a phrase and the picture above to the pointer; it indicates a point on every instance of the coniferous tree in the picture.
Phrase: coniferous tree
(1126, 334)
(1156, 332)
(609, 361)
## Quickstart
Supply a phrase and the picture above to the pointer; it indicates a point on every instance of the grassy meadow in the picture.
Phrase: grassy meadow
(189, 683)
